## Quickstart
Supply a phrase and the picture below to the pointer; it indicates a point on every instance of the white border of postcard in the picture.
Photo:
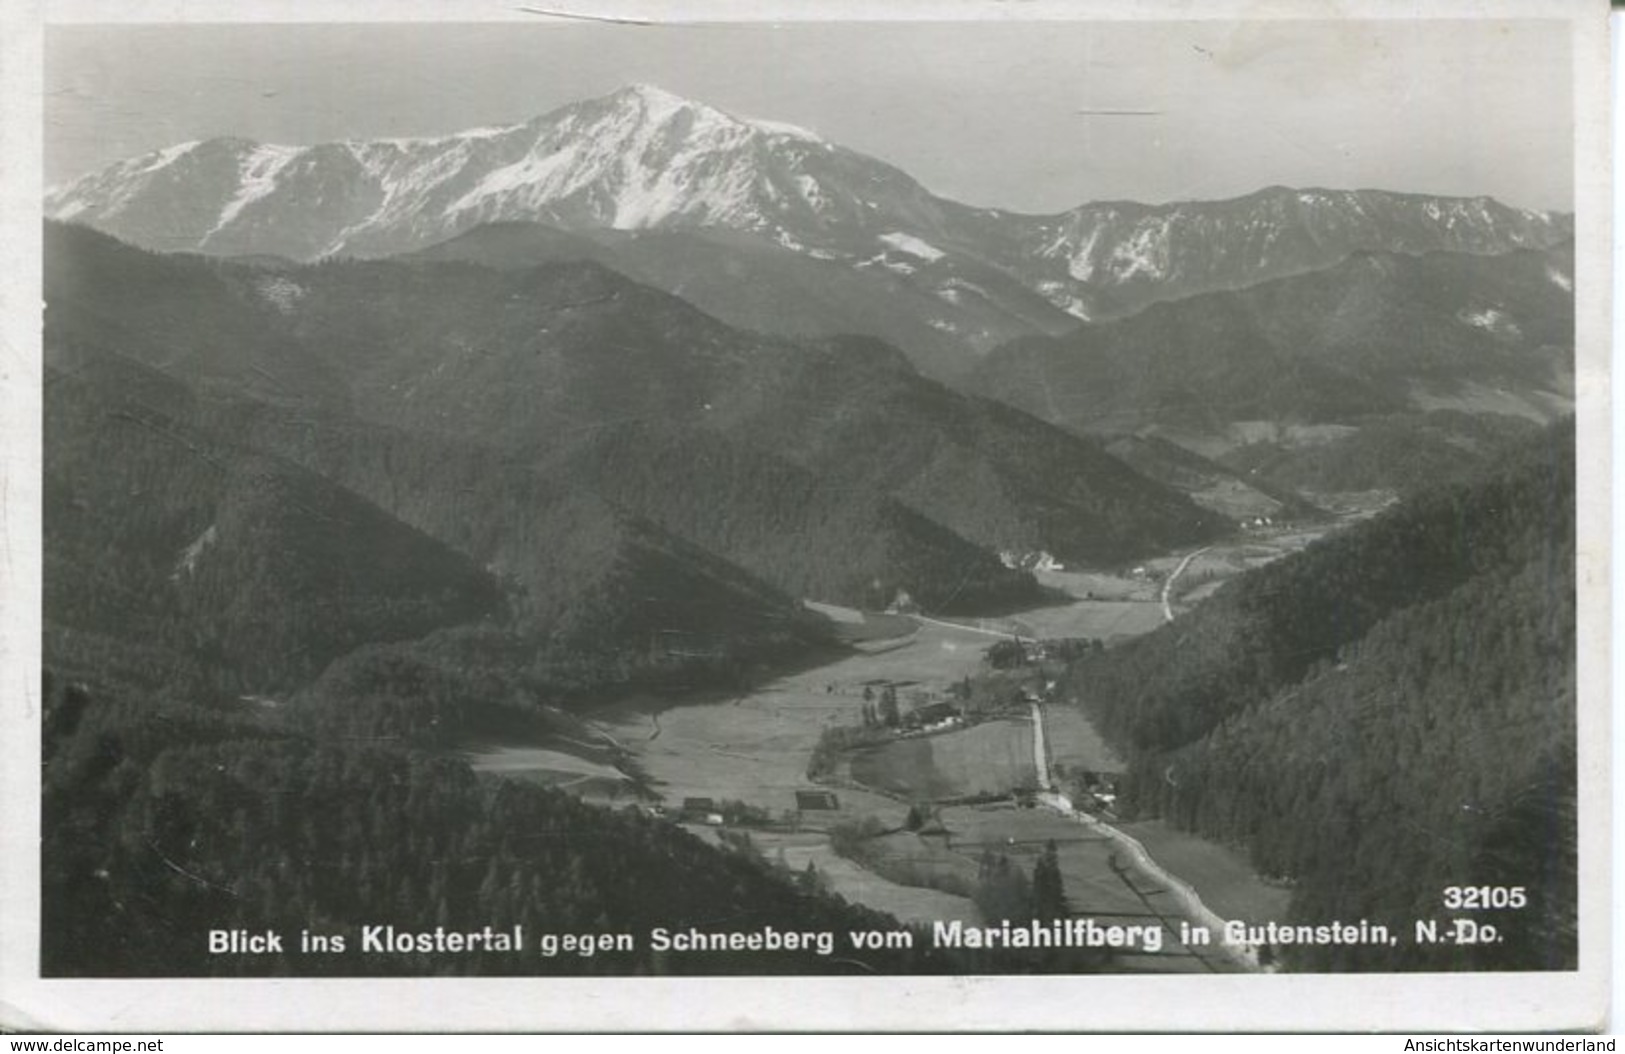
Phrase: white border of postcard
(1332, 1003)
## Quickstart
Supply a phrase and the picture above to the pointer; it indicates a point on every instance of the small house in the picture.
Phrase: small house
(817, 801)
(698, 808)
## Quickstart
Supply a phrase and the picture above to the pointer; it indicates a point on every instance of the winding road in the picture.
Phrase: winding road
(1168, 586)
(1003, 634)
(1186, 897)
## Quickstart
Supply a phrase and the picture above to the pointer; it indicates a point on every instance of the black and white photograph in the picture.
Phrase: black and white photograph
(728, 512)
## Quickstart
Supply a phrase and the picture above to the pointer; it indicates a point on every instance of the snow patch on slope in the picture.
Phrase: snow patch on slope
(256, 176)
(280, 292)
(124, 179)
(1490, 319)
(189, 556)
(789, 131)
(1058, 294)
(1081, 265)
(913, 246)
(1145, 253)
(534, 170)
(649, 157)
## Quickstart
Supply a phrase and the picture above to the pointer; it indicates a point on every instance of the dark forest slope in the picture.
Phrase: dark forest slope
(168, 536)
(164, 823)
(529, 361)
(1387, 713)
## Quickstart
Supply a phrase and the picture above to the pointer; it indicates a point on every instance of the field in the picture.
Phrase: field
(1097, 880)
(1098, 585)
(1098, 619)
(1222, 878)
(915, 904)
(856, 627)
(1074, 744)
(755, 748)
(585, 769)
(993, 757)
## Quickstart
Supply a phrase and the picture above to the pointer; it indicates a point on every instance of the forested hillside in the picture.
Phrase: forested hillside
(1379, 333)
(524, 363)
(803, 531)
(168, 537)
(1385, 714)
(1399, 452)
(1385, 371)
(152, 513)
(160, 813)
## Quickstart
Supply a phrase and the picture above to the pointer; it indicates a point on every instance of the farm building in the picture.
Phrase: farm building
(698, 808)
(932, 717)
(817, 801)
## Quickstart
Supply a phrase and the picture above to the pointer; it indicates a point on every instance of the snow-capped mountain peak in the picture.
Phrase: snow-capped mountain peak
(638, 157)
(644, 158)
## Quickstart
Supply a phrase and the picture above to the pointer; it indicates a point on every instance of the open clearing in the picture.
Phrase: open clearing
(1221, 877)
(555, 768)
(1105, 620)
(1074, 745)
(856, 627)
(755, 747)
(909, 903)
(1098, 585)
(993, 757)
(1098, 881)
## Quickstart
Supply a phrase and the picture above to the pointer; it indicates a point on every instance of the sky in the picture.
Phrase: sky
(1029, 116)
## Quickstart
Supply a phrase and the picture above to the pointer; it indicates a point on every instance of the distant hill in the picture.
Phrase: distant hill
(991, 474)
(805, 533)
(943, 313)
(182, 315)
(1379, 336)
(1378, 333)
(1233, 492)
(596, 595)
(1399, 452)
(534, 361)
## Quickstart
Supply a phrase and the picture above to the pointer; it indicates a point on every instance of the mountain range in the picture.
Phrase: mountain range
(686, 197)
(619, 465)
(1422, 356)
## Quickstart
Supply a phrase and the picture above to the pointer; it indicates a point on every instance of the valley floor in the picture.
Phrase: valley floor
(754, 748)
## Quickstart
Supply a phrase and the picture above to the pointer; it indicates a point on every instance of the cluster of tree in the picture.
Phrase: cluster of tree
(835, 740)
(1388, 713)
(1006, 654)
(881, 713)
(736, 813)
(1005, 892)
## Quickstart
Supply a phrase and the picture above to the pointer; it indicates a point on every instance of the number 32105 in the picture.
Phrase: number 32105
(1483, 898)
